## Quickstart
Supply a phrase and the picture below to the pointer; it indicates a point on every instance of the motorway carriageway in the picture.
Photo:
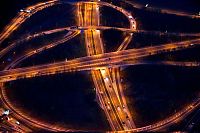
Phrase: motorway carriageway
(112, 59)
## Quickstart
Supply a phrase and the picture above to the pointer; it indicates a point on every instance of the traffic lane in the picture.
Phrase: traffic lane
(112, 58)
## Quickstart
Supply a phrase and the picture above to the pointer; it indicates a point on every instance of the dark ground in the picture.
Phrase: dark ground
(149, 87)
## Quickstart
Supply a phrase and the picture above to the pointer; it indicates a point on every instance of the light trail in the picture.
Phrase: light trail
(123, 45)
(110, 102)
(113, 59)
(107, 83)
(22, 17)
(20, 115)
(29, 37)
(41, 49)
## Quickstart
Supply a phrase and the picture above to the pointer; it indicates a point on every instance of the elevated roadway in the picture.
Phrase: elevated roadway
(23, 16)
(113, 59)
(105, 89)
(124, 44)
(105, 67)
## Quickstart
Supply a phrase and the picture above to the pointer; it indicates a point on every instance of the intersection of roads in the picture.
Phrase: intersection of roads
(104, 67)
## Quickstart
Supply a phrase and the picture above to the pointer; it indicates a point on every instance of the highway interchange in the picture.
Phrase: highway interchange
(104, 67)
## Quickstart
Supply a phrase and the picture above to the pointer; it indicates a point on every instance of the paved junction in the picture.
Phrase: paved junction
(104, 67)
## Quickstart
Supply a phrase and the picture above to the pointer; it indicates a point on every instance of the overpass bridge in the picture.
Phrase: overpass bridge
(113, 59)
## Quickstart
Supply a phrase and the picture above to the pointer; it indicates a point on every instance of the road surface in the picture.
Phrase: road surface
(105, 67)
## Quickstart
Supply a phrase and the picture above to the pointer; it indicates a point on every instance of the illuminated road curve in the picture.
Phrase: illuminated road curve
(22, 58)
(80, 28)
(170, 120)
(113, 59)
(180, 115)
(20, 115)
(159, 10)
(29, 37)
(105, 89)
(67, 37)
(23, 16)
(97, 64)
